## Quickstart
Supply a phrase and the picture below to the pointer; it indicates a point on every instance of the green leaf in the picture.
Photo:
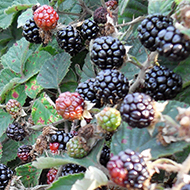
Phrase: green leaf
(5, 20)
(17, 56)
(17, 7)
(57, 160)
(140, 139)
(32, 88)
(5, 120)
(17, 93)
(24, 17)
(8, 80)
(183, 96)
(66, 182)
(29, 173)
(43, 112)
(69, 6)
(1, 150)
(54, 70)
(122, 5)
(33, 64)
(157, 6)
(87, 69)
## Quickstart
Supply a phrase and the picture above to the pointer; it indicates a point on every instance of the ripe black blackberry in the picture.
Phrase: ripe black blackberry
(86, 90)
(5, 175)
(31, 32)
(62, 138)
(172, 44)
(16, 131)
(150, 27)
(24, 153)
(89, 29)
(71, 168)
(137, 110)
(128, 169)
(69, 39)
(105, 155)
(111, 86)
(162, 83)
(108, 52)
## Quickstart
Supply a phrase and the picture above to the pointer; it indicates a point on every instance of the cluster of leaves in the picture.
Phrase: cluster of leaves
(31, 72)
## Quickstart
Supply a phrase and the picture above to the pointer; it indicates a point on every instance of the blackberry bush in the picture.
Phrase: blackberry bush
(108, 52)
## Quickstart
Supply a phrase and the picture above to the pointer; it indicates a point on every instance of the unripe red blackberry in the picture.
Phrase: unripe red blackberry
(16, 131)
(89, 29)
(24, 153)
(31, 32)
(161, 83)
(128, 169)
(137, 110)
(51, 175)
(100, 15)
(70, 105)
(109, 119)
(69, 39)
(172, 44)
(5, 175)
(13, 107)
(111, 86)
(60, 137)
(46, 17)
(86, 91)
(111, 4)
(150, 27)
(71, 168)
(77, 147)
(108, 52)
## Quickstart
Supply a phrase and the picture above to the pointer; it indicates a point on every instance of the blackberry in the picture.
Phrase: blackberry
(109, 119)
(89, 29)
(5, 175)
(70, 105)
(100, 15)
(24, 153)
(171, 43)
(51, 175)
(104, 155)
(108, 52)
(16, 131)
(111, 4)
(137, 110)
(111, 86)
(71, 168)
(31, 32)
(69, 39)
(62, 138)
(150, 27)
(13, 107)
(128, 169)
(86, 91)
(162, 83)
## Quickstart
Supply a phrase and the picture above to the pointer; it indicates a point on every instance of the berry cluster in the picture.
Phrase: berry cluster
(13, 107)
(24, 153)
(128, 169)
(51, 175)
(5, 175)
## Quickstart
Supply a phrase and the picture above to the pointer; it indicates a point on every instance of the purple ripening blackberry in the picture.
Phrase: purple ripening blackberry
(150, 27)
(111, 86)
(108, 52)
(161, 83)
(137, 110)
